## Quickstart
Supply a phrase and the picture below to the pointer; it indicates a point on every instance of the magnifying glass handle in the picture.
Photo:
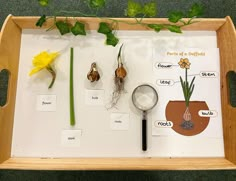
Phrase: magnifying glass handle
(144, 134)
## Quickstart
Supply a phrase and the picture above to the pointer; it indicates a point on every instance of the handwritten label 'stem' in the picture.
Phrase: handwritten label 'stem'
(71, 138)
(46, 103)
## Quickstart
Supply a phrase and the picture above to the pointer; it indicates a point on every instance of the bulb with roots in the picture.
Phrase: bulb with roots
(187, 122)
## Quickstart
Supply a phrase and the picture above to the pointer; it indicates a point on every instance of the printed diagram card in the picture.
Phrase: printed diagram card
(188, 82)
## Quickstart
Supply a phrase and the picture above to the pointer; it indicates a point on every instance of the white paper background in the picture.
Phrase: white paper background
(38, 134)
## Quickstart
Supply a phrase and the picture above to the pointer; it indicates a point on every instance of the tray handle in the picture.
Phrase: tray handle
(10, 37)
(4, 79)
(231, 82)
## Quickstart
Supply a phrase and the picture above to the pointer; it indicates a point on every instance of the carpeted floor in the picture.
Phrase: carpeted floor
(214, 9)
(14, 175)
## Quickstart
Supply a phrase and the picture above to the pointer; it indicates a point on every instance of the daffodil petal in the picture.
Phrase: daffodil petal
(44, 59)
(35, 70)
(187, 66)
(186, 60)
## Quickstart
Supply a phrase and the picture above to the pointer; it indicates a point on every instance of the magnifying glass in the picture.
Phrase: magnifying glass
(144, 98)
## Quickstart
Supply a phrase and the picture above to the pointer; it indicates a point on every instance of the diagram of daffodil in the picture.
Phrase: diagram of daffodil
(187, 92)
(185, 114)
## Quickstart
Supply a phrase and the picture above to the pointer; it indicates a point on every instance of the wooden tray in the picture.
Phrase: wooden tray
(10, 42)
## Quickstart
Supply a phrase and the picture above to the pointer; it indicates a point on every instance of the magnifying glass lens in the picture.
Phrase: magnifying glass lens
(144, 97)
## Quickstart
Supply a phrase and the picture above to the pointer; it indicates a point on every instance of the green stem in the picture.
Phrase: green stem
(54, 24)
(119, 56)
(189, 22)
(139, 20)
(74, 12)
(122, 21)
(72, 112)
(49, 68)
(187, 91)
(182, 21)
(186, 75)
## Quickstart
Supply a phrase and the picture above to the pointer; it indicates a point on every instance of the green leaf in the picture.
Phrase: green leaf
(183, 87)
(156, 27)
(133, 8)
(97, 3)
(63, 27)
(187, 88)
(191, 92)
(78, 29)
(112, 39)
(174, 17)
(150, 9)
(191, 84)
(196, 10)
(182, 82)
(43, 2)
(104, 28)
(41, 21)
(174, 28)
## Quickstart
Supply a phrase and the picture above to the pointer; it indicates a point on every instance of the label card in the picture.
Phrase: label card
(162, 128)
(163, 124)
(119, 121)
(165, 82)
(71, 138)
(94, 97)
(46, 103)
(207, 113)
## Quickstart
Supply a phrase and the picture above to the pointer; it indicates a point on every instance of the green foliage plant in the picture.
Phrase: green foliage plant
(134, 9)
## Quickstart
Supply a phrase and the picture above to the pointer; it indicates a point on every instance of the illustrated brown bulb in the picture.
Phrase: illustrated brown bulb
(93, 74)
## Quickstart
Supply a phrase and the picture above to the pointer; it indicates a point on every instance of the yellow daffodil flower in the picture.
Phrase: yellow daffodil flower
(43, 61)
(184, 63)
